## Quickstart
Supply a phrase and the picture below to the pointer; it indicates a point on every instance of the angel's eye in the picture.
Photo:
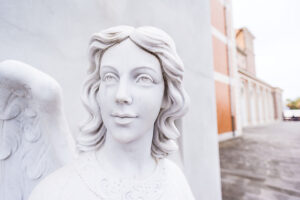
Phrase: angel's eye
(145, 79)
(109, 78)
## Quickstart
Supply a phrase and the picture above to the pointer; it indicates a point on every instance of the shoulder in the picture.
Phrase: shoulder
(173, 169)
(53, 184)
(70, 182)
(177, 180)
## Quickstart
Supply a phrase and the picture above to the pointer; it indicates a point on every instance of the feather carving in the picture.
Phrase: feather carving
(28, 130)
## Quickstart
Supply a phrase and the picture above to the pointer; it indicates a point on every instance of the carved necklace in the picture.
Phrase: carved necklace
(108, 187)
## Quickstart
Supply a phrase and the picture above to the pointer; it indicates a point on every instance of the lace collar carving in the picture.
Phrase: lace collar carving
(108, 187)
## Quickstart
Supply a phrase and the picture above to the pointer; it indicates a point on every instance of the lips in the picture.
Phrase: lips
(123, 115)
(123, 118)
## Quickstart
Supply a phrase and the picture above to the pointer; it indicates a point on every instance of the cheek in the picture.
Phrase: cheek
(105, 94)
(104, 99)
(150, 103)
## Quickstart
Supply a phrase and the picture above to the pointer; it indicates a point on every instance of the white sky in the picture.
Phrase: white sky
(276, 27)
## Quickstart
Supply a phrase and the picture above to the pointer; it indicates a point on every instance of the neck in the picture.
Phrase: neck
(128, 159)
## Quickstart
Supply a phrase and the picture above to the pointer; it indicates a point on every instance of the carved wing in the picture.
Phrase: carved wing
(33, 129)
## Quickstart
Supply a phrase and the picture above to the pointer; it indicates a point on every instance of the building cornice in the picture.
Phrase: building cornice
(251, 76)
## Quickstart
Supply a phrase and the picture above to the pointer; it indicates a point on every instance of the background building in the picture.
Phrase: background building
(241, 98)
(260, 102)
(225, 69)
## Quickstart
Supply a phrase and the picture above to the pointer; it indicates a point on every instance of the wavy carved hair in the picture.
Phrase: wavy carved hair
(158, 43)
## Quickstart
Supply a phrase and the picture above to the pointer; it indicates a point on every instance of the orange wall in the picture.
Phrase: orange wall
(220, 56)
(220, 59)
(218, 16)
(223, 107)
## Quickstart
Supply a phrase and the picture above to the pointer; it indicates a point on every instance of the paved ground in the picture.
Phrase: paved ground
(263, 164)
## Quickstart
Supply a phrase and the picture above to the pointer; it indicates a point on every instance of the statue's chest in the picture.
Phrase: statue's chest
(106, 186)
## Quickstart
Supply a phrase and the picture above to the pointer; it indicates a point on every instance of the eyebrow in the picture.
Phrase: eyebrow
(145, 68)
(109, 67)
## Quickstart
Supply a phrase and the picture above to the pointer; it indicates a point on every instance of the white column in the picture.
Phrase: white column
(265, 105)
(272, 106)
(248, 102)
(243, 105)
(269, 105)
(252, 104)
(256, 103)
(260, 107)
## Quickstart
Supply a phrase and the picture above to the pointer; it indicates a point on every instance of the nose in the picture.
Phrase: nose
(123, 95)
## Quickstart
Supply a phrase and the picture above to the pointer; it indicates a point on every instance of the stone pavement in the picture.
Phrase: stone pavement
(263, 164)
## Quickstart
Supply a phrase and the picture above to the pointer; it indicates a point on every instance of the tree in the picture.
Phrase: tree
(293, 104)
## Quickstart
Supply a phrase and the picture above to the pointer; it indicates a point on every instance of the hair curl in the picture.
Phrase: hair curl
(158, 43)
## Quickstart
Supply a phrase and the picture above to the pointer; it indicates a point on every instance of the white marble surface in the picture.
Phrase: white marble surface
(134, 94)
(33, 129)
(84, 180)
(53, 35)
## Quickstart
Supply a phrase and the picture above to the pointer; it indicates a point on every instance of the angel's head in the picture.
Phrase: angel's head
(134, 83)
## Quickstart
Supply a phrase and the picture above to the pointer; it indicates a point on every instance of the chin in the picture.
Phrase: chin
(125, 139)
(124, 136)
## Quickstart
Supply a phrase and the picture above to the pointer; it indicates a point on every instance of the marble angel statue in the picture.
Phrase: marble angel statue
(133, 94)
(33, 129)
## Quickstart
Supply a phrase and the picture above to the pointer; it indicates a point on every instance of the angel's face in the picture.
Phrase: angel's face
(131, 92)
